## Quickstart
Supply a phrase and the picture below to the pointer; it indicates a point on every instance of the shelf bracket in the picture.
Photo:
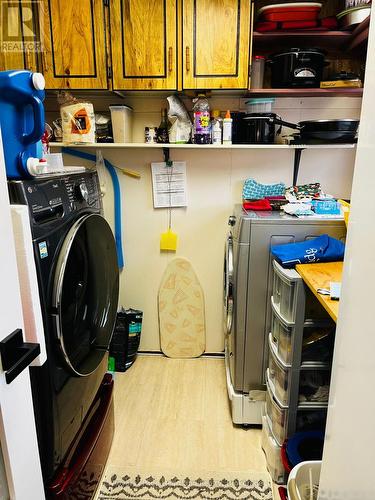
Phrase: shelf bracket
(297, 161)
(167, 159)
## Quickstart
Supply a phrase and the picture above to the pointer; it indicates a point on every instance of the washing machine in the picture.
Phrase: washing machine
(78, 278)
(247, 284)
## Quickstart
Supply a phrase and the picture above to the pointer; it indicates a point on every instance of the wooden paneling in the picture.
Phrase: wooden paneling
(73, 39)
(144, 44)
(18, 36)
(216, 44)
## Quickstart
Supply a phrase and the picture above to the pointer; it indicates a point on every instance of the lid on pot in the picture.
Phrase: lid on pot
(297, 51)
(253, 102)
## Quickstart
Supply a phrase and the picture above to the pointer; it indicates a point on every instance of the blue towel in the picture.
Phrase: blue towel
(320, 249)
(253, 190)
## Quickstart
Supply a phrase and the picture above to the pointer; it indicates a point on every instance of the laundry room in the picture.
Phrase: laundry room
(186, 190)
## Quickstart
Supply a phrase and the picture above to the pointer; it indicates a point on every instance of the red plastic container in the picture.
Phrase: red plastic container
(301, 11)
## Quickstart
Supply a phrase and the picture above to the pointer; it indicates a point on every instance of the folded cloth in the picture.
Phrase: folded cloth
(312, 190)
(257, 205)
(320, 249)
(253, 190)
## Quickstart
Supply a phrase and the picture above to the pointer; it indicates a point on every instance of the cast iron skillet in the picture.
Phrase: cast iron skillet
(327, 130)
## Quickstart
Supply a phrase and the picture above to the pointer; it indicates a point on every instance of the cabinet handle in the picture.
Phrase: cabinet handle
(187, 58)
(170, 62)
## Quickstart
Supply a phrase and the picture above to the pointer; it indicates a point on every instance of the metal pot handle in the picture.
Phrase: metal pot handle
(278, 121)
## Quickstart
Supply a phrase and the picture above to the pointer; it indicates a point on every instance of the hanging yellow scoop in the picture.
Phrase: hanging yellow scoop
(168, 241)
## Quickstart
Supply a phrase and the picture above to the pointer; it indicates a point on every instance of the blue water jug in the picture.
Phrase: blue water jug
(21, 120)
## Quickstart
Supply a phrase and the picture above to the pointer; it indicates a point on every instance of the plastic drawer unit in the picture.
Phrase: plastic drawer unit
(273, 454)
(313, 382)
(280, 419)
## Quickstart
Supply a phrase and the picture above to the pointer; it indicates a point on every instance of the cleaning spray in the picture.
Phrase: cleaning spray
(227, 129)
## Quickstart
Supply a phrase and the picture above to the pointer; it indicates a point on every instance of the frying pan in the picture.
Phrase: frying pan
(326, 130)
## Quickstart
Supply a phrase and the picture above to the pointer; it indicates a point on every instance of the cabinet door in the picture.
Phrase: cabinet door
(19, 39)
(144, 44)
(73, 39)
(216, 44)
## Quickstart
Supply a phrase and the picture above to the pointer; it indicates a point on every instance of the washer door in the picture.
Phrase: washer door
(85, 293)
(228, 285)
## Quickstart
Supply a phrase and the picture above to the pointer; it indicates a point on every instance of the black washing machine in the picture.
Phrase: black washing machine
(78, 277)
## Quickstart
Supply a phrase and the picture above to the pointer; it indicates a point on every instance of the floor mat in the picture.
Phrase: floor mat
(132, 485)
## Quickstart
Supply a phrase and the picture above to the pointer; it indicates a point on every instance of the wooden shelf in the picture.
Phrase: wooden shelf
(138, 145)
(274, 40)
(301, 92)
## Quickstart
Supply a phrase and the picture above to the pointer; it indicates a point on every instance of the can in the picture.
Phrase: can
(150, 135)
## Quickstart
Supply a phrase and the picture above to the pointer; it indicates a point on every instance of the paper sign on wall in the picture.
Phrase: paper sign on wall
(169, 184)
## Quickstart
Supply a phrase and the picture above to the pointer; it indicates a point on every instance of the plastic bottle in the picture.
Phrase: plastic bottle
(216, 127)
(202, 129)
(257, 72)
(227, 128)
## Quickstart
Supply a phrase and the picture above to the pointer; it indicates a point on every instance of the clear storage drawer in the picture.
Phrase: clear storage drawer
(285, 289)
(273, 454)
(317, 343)
(313, 383)
(306, 419)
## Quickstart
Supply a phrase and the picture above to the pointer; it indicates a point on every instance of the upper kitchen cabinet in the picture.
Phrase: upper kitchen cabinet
(19, 40)
(73, 39)
(144, 44)
(216, 44)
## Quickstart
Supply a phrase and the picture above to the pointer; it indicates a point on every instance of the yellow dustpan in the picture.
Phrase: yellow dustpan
(168, 241)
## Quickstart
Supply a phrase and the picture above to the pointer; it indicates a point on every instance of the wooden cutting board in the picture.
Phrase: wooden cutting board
(181, 311)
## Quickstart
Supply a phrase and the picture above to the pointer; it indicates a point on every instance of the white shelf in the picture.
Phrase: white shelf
(139, 145)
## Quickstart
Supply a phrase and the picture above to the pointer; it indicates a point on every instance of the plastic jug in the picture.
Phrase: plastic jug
(21, 120)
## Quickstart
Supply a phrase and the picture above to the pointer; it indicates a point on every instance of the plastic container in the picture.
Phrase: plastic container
(298, 11)
(312, 385)
(259, 105)
(303, 478)
(273, 454)
(216, 127)
(21, 119)
(277, 417)
(227, 128)
(318, 340)
(285, 284)
(257, 72)
(122, 123)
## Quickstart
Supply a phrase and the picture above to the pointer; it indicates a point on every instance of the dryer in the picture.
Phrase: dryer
(247, 292)
(78, 278)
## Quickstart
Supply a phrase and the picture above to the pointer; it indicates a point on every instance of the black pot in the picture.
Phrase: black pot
(260, 128)
(297, 68)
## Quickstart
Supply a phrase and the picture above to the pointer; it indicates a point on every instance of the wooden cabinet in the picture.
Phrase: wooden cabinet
(19, 43)
(74, 45)
(215, 44)
(144, 44)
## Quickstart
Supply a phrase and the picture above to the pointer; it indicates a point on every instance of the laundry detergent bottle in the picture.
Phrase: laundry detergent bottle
(22, 120)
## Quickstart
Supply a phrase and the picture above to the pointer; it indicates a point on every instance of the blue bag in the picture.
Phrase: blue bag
(320, 249)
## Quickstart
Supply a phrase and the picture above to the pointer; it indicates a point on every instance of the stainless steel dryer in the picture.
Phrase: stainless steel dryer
(247, 291)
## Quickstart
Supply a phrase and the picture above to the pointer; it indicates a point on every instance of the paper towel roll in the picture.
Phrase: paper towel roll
(32, 314)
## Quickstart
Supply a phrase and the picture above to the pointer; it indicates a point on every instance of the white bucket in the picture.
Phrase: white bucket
(122, 123)
(78, 122)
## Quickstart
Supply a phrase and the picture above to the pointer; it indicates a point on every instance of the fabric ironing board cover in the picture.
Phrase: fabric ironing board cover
(181, 311)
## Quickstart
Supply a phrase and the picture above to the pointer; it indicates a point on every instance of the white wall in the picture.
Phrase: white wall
(215, 180)
(349, 451)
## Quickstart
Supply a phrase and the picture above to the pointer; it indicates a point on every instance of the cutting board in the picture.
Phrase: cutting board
(181, 311)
